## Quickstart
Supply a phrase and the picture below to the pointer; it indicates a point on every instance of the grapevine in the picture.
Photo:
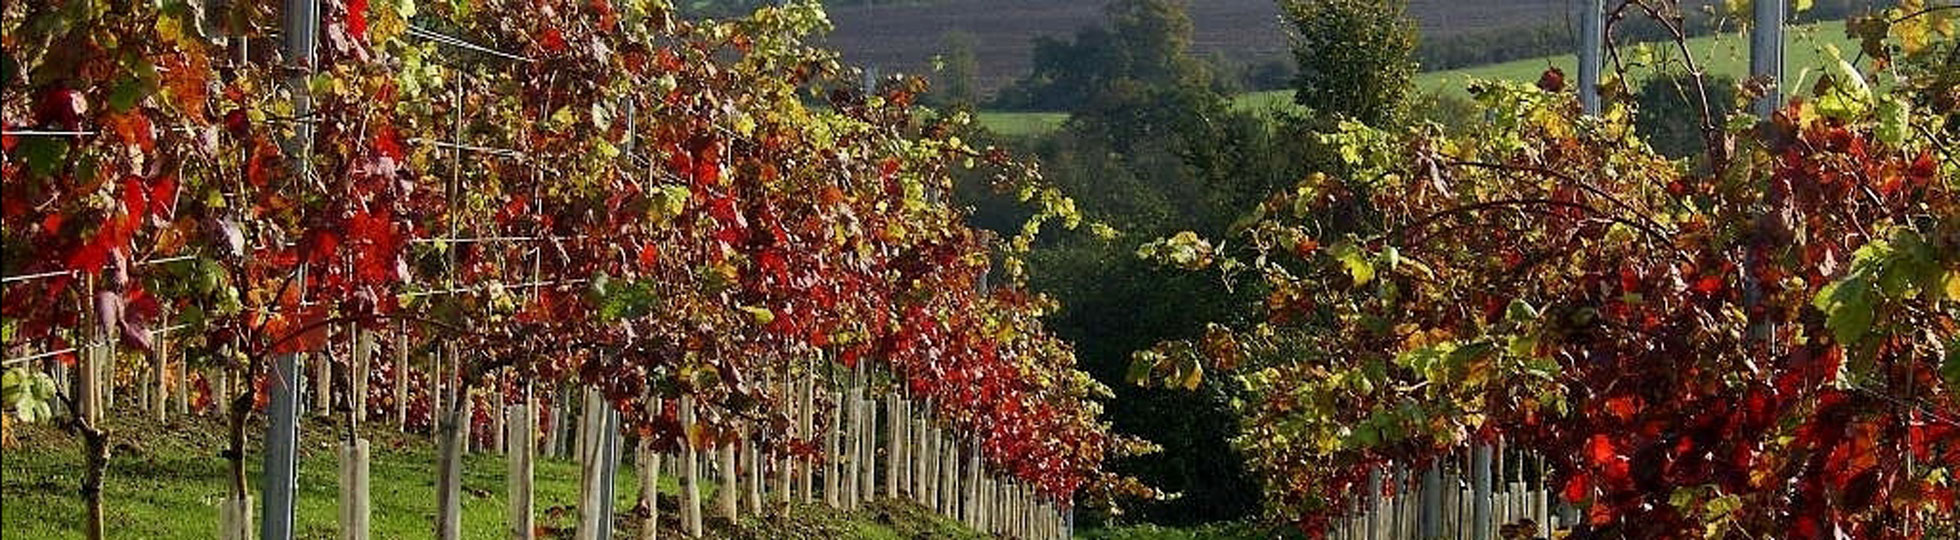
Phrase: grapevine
(596, 192)
(1758, 343)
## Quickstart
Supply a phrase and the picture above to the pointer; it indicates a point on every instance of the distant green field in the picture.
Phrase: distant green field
(1726, 54)
(1021, 123)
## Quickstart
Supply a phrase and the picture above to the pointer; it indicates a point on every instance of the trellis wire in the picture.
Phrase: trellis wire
(58, 352)
(482, 288)
(453, 41)
(447, 145)
(92, 132)
(57, 273)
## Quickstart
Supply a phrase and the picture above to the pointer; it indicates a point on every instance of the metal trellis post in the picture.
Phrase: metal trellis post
(278, 481)
(1592, 44)
(279, 478)
(1766, 54)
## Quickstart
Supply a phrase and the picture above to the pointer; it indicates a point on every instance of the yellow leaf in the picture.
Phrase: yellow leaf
(762, 316)
(1194, 373)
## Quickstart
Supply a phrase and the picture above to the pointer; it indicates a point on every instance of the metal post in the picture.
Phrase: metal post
(608, 472)
(281, 437)
(1592, 43)
(1766, 54)
(279, 478)
(301, 26)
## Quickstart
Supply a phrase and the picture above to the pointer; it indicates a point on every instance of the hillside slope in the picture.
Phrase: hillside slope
(1725, 54)
(905, 37)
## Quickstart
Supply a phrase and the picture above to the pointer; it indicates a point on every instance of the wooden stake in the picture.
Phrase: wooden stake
(159, 399)
(690, 471)
(921, 449)
(401, 376)
(785, 477)
(754, 472)
(805, 468)
(439, 390)
(985, 503)
(105, 379)
(183, 395)
(894, 444)
(354, 508)
(592, 507)
(449, 479)
(88, 384)
(357, 379)
(971, 495)
(929, 466)
(1542, 508)
(649, 469)
(523, 441)
(949, 476)
(555, 422)
(322, 385)
(775, 474)
(832, 453)
(467, 423)
(1480, 514)
(868, 471)
(731, 485)
(498, 424)
(853, 442)
(235, 518)
(1432, 502)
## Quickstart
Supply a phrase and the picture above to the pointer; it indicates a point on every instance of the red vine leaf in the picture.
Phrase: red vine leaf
(357, 18)
(552, 40)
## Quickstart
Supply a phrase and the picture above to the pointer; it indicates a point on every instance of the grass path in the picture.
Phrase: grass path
(1725, 54)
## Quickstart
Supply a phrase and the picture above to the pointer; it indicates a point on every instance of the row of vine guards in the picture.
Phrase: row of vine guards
(885, 447)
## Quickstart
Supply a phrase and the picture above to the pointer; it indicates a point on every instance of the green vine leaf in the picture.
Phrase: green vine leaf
(28, 393)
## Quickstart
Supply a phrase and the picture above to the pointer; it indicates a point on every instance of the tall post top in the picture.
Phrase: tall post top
(1591, 16)
(302, 25)
(1766, 53)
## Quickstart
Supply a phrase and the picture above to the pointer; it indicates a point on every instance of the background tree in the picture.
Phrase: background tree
(1154, 42)
(1669, 121)
(1147, 44)
(1355, 57)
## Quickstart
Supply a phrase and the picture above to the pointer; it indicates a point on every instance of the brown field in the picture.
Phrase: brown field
(905, 37)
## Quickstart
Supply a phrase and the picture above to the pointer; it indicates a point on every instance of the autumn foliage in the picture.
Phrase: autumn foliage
(1764, 342)
(584, 191)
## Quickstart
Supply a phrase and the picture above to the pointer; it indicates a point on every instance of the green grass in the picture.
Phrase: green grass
(165, 480)
(1726, 54)
(1021, 123)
